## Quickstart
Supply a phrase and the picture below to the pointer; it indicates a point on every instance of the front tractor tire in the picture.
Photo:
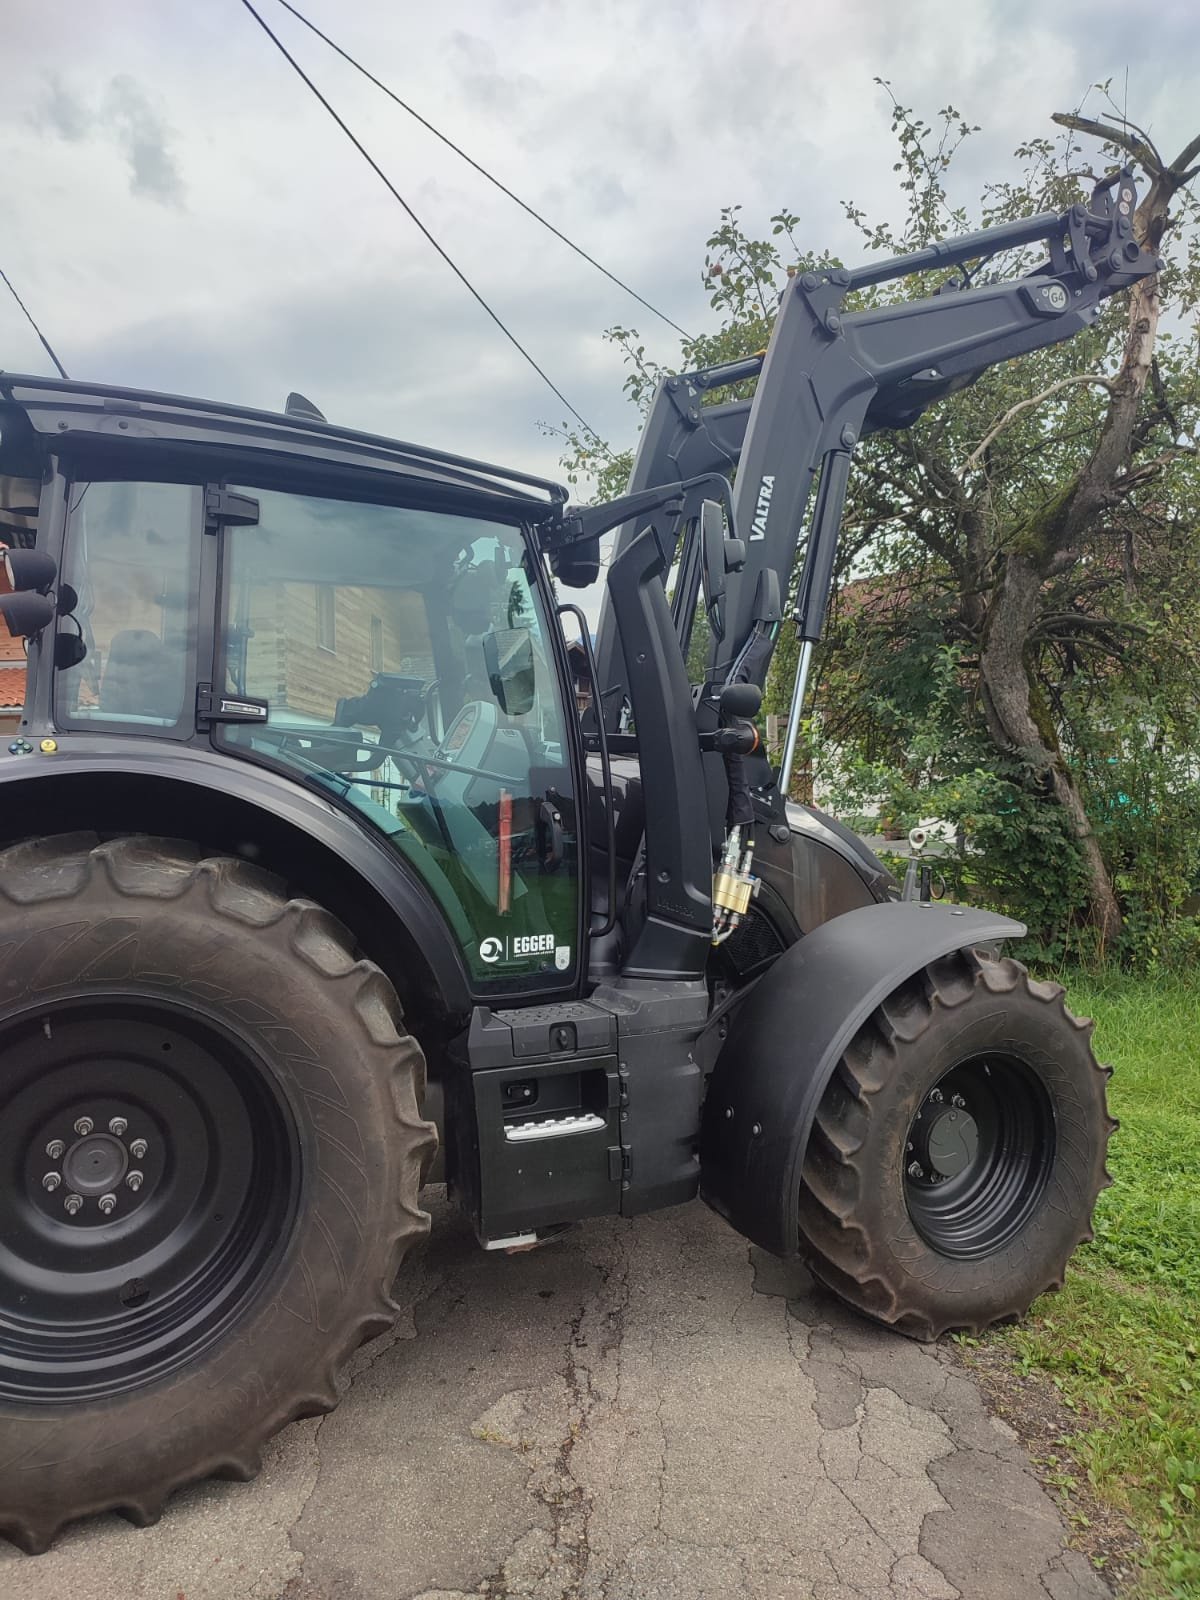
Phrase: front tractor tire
(211, 1150)
(958, 1150)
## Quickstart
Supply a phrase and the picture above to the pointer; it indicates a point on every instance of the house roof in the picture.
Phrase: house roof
(12, 686)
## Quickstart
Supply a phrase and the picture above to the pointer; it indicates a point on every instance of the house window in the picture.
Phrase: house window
(326, 629)
(376, 644)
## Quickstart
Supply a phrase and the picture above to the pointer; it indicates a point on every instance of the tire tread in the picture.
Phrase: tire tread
(835, 1177)
(142, 867)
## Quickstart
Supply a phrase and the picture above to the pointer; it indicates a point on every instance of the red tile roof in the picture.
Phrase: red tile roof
(12, 687)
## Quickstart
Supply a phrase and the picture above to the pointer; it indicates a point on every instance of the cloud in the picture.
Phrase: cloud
(63, 112)
(125, 117)
(479, 78)
(143, 137)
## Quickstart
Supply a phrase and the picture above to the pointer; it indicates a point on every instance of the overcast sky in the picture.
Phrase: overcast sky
(181, 214)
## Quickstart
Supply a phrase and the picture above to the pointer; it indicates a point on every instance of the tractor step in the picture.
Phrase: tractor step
(553, 1127)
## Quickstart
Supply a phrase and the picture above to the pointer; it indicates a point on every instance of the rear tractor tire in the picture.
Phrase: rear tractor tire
(211, 1150)
(958, 1150)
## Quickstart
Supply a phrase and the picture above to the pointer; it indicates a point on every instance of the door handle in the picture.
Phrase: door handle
(550, 836)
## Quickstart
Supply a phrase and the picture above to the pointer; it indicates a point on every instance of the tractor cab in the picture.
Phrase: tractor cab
(385, 639)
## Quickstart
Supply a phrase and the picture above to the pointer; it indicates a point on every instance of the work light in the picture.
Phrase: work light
(26, 613)
(30, 569)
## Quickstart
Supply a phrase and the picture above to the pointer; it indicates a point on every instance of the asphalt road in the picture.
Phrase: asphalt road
(641, 1411)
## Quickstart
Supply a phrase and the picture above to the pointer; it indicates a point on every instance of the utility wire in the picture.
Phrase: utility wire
(397, 196)
(483, 172)
(46, 345)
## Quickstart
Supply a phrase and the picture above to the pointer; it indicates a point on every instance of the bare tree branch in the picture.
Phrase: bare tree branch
(1150, 469)
(1023, 405)
(1140, 149)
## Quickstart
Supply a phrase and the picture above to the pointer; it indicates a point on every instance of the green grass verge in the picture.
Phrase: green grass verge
(1122, 1341)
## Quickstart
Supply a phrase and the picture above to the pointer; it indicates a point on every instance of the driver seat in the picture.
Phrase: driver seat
(140, 677)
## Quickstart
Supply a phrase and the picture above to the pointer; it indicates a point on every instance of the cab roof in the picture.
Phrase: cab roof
(75, 413)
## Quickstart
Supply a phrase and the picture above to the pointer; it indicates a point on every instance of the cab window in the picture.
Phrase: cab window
(131, 559)
(406, 667)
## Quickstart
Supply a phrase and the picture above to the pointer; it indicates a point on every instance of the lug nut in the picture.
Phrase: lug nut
(107, 1204)
(957, 1100)
(133, 1180)
(72, 1204)
(915, 1169)
(55, 1149)
(937, 1096)
(84, 1125)
(52, 1180)
(117, 1125)
(138, 1148)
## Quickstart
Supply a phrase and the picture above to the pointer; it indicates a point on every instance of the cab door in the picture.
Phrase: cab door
(401, 660)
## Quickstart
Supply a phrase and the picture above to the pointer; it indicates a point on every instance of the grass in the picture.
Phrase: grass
(1122, 1341)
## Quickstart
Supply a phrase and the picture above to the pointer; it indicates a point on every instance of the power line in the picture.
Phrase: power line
(483, 172)
(46, 345)
(397, 196)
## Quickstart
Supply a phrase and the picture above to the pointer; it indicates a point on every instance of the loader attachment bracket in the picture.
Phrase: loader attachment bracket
(785, 1040)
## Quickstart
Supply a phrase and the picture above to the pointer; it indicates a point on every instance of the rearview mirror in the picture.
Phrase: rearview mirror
(508, 656)
(718, 556)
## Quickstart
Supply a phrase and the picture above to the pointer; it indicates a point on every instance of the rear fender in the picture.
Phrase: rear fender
(787, 1038)
(111, 784)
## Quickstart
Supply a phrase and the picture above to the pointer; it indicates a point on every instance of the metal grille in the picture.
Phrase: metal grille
(754, 942)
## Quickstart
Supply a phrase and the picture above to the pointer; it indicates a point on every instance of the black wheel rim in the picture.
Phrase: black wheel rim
(150, 1169)
(978, 1155)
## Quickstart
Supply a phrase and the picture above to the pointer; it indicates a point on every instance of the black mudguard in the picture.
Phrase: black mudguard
(786, 1039)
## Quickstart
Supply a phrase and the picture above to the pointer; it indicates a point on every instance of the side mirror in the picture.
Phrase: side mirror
(508, 656)
(718, 557)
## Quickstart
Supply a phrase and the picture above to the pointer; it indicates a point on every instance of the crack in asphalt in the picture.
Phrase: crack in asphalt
(356, 1368)
(304, 1505)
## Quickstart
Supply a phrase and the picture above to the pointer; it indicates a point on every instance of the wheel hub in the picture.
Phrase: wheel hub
(946, 1139)
(94, 1164)
(978, 1155)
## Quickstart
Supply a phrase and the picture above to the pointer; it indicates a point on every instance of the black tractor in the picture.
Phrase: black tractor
(332, 839)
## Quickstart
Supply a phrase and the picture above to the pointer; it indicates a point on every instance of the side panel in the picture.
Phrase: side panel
(584, 1108)
(786, 1040)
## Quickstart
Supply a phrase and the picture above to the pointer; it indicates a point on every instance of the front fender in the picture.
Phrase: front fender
(787, 1038)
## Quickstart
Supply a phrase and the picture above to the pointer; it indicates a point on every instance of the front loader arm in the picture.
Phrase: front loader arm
(830, 376)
